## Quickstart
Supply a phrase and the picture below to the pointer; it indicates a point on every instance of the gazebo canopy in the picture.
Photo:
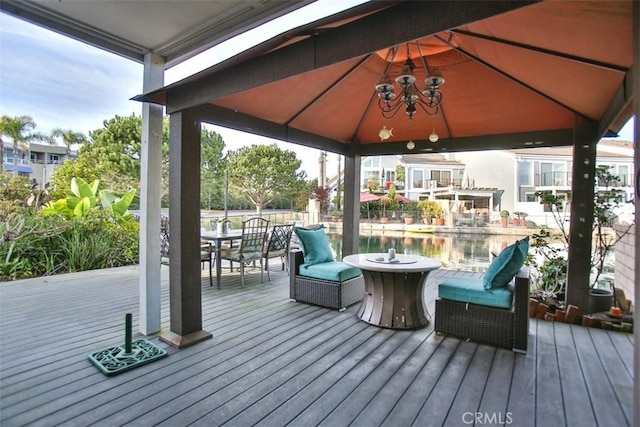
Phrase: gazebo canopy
(517, 74)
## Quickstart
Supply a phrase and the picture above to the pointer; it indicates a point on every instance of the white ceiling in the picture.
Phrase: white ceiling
(174, 29)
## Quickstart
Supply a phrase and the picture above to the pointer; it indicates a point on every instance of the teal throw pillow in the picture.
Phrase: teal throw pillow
(314, 244)
(506, 265)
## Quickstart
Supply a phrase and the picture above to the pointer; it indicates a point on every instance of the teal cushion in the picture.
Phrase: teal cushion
(334, 271)
(314, 244)
(471, 290)
(506, 265)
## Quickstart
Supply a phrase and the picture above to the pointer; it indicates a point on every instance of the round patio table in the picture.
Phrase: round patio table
(393, 296)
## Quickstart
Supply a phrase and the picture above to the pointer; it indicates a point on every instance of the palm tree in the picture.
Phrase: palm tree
(69, 138)
(19, 130)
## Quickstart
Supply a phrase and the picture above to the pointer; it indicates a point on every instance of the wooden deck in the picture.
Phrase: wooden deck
(275, 362)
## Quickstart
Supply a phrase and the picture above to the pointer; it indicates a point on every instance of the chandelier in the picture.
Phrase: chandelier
(428, 99)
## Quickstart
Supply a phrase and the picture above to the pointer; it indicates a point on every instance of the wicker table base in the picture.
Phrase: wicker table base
(394, 300)
(393, 295)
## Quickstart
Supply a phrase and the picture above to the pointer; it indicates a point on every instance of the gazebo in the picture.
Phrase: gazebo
(517, 75)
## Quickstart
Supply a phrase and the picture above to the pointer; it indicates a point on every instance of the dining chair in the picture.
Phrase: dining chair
(206, 249)
(277, 245)
(254, 234)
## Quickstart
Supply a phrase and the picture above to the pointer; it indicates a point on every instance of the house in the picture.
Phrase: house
(523, 172)
(38, 162)
(487, 182)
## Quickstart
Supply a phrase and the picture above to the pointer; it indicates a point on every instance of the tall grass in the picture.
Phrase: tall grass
(48, 245)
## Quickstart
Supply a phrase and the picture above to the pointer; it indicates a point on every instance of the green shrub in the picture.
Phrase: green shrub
(45, 245)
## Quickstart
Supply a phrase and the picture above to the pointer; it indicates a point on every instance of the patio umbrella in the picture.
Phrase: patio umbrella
(400, 198)
(366, 198)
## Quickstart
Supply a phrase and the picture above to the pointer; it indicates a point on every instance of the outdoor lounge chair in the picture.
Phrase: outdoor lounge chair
(497, 315)
(316, 278)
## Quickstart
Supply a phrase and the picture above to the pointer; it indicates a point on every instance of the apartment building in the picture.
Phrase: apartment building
(38, 162)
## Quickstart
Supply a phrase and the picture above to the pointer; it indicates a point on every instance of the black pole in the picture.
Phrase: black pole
(226, 193)
(127, 333)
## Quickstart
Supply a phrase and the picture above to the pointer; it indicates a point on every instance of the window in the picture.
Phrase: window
(53, 159)
(530, 197)
(372, 162)
(442, 177)
(417, 179)
(390, 175)
(553, 174)
(524, 173)
(623, 174)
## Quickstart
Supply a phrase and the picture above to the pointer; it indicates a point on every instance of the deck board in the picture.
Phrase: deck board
(275, 362)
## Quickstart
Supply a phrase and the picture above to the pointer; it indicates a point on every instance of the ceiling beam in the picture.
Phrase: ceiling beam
(550, 52)
(620, 101)
(46, 18)
(234, 120)
(551, 138)
(398, 24)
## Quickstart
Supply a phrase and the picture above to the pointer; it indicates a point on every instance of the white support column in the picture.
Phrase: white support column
(150, 178)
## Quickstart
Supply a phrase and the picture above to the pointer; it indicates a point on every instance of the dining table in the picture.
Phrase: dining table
(218, 239)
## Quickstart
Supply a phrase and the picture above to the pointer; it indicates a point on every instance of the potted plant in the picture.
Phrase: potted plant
(504, 217)
(336, 215)
(408, 218)
(385, 200)
(428, 208)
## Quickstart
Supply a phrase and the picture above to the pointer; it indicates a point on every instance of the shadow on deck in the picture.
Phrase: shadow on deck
(274, 362)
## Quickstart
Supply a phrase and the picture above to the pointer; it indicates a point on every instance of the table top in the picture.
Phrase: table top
(380, 262)
(213, 235)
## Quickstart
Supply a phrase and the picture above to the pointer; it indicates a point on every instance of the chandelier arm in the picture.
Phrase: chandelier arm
(389, 109)
(430, 111)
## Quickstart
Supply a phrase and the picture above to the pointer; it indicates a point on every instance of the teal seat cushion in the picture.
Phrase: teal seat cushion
(506, 265)
(471, 290)
(334, 271)
(314, 244)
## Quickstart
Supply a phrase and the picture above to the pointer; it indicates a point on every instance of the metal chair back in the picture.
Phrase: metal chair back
(254, 234)
(277, 244)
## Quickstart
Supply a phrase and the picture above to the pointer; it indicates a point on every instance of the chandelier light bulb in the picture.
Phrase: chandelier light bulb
(434, 137)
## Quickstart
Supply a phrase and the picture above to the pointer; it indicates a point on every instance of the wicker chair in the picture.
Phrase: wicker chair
(497, 326)
(254, 234)
(277, 245)
(325, 293)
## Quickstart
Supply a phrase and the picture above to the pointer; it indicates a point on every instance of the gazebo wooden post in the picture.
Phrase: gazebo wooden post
(185, 287)
(636, 110)
(582, 193)
(351, 215)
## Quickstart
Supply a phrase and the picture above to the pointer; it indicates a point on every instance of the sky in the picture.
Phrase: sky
(63, 83)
